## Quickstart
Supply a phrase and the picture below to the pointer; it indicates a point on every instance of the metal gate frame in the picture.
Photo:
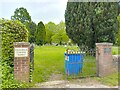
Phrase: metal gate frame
(32, 55)
(89, 63)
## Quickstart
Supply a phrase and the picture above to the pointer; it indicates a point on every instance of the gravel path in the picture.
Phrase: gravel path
(73, 84)
(55, 81)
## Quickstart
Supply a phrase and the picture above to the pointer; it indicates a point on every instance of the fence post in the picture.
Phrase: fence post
(104, 59)
(21, 61)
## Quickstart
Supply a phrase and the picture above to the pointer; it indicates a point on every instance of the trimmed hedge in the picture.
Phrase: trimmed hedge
(12, 31)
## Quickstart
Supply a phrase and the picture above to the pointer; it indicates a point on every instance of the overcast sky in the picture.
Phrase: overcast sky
(39, 10)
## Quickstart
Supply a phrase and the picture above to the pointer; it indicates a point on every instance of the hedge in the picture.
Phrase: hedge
(12, 31)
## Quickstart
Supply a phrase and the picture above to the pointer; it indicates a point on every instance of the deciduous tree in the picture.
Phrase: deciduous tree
(60, 36)
(22, 15)
(50, 31)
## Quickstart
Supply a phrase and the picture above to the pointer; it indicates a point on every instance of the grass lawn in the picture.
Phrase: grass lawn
(50, 59)
(115, 50)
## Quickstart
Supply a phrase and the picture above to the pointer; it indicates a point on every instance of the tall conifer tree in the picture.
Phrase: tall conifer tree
(88, 23)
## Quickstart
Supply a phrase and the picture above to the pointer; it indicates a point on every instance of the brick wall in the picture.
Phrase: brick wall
(21, 64)
(104, 59)
(116, 60)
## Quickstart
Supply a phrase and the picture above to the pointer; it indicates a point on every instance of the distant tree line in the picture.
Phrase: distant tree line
(86, 23)
(40, 34)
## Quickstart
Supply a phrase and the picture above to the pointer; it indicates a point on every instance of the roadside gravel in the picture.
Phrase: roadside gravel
(72, 84)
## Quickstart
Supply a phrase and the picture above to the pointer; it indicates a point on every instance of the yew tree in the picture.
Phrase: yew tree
(88, 23)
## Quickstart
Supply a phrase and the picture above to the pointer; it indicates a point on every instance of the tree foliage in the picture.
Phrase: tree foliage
(88, 23)
(12, 31)
(31, 26)
(118, 34)
(50, 31)
(60, 36)
(40, 34)
(22, 15)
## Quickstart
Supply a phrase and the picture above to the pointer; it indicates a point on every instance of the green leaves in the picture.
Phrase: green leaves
(22, 15)
(56, 33)
(31, 26)
(60, 36)
(40, 34)
(118, 34)
(50, 31)
(12, 31)
(90, 22)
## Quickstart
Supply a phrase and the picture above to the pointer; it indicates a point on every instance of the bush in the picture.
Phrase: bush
(12, 31)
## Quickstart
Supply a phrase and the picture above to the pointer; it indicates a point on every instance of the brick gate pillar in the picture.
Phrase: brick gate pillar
(21, 61)
(104, 59)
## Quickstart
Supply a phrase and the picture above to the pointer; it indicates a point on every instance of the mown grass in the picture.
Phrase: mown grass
(115, 50)
(50, 59)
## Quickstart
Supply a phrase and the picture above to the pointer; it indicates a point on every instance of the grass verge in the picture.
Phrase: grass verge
(111, 80)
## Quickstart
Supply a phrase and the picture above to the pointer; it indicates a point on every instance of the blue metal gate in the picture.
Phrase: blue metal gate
(81, 63)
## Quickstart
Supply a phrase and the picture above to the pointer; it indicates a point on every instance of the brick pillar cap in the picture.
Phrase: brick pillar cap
(21, 43)
(102, 44)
